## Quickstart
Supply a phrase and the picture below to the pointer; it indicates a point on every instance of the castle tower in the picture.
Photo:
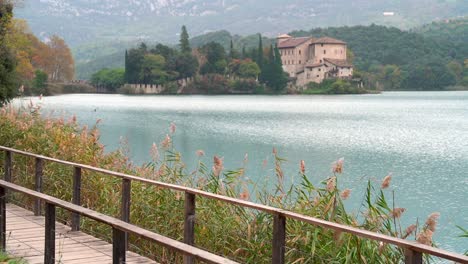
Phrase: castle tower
(282, 38)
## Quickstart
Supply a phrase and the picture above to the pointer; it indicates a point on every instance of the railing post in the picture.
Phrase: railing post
(49, 247)
(8, 161)
(125, 209)
(75, 221)
(279, 239)
(38, 185)
(413, 257)
(118, 246)
(2, 219)
(189, 224)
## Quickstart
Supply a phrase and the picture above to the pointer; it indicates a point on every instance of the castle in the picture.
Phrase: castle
(309, 59)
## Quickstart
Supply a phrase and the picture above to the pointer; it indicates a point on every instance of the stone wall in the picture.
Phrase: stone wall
(156, 88)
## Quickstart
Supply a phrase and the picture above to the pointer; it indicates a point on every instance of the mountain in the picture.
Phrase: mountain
(90, 21)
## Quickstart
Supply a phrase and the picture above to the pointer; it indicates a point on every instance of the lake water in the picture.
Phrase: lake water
(421, 137)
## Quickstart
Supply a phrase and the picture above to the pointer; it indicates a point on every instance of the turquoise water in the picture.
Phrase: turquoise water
(420, 137)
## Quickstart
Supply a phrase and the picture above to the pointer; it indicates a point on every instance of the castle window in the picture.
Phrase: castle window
(318, 76)
(324, 51)
(300, 62)
(320, 61)
(299, 52)
(319, 69)
(321, 44)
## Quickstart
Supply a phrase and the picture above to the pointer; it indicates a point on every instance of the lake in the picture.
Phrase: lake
(420, 137)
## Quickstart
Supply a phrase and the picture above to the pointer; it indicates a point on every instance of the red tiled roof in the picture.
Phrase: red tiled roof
(314, 65)
(339, 63)
(328, 40)
(293, 42)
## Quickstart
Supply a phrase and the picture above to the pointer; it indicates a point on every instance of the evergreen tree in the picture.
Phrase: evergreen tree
(231, 50)
(272, 73)
(184, 41)
(260, 52)
(244, 54)
(7, 59)
(126, 67)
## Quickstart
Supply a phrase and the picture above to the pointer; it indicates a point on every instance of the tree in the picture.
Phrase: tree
(431, 76)
(186, 65)
(456, 69)
(7, 60)
(390, 76)
(215, 59)
(40, 82)
(111, 79)
(134, 63)
(126, 77)
(184, 41)
(61, 66)
(249, 69)
(260, 52)
(273, 74)
(152, 69)
(233, 53)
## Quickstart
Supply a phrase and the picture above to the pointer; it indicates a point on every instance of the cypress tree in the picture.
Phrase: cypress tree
(231, 50)
(244, 55)
(184, 41)
(126, 67)
(260, 52)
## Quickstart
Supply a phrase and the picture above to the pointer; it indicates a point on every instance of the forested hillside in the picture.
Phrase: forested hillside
(90, 21)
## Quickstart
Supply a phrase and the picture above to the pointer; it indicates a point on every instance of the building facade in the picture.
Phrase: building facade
(308, 59)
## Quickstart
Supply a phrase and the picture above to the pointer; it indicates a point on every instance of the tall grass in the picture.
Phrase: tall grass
(238, 233)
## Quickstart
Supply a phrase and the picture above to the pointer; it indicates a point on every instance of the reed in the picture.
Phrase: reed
(238, 233)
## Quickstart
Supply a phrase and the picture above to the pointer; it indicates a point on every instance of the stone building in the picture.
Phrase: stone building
(309, 59)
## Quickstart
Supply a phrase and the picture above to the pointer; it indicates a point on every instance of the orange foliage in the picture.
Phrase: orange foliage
(53, 57)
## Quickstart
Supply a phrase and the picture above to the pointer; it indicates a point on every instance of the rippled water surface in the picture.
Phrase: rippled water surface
(421, 137)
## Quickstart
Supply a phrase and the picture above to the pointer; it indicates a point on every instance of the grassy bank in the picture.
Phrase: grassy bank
(238, 233)
(337, 86)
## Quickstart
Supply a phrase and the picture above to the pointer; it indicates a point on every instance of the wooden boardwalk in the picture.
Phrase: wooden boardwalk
(25, 239)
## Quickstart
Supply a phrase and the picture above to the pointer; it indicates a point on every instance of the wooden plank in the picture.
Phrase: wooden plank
(118, 246)
(279, 239)
(38, 185)
(71, 247)
(189, 224)
(413, 257)
(2, 219)
(122, 226)
(125, 205)
(75, 219)
(49, 246)
(7, 165)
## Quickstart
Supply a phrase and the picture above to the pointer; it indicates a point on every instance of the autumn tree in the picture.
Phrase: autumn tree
(7, 61)
(60, 66)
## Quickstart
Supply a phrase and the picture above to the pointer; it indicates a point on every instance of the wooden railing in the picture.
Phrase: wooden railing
(413, 251)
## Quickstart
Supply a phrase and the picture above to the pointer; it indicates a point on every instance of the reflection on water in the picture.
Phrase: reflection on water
(420, 137)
